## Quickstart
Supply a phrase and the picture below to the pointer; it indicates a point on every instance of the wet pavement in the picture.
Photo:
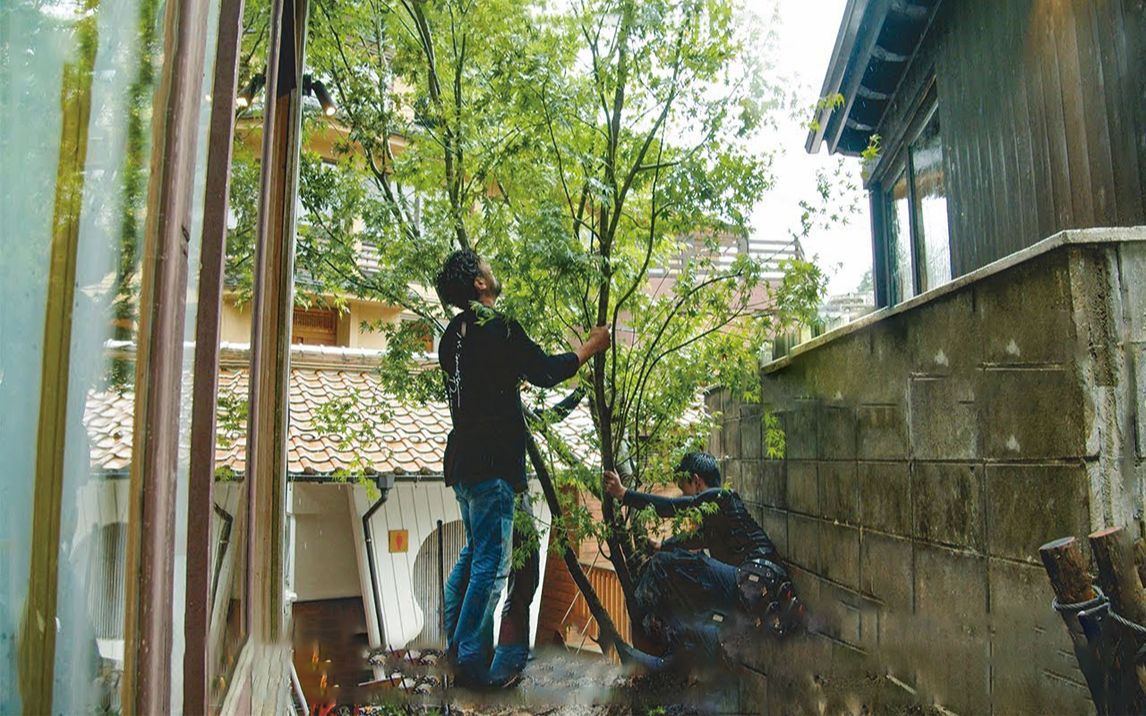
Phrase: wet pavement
(557, 682)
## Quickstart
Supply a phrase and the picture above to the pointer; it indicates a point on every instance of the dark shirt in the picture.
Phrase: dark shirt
(729, 534)
(484, 365)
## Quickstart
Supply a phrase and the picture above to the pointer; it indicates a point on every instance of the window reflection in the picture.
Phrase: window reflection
(37, 48)
(114, 63)
(930, 206)
(899, 240)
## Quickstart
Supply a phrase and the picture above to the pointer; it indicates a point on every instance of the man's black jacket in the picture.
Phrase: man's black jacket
(484, 362)
(729, 534)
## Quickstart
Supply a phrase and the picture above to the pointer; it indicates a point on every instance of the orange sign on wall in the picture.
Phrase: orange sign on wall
(399, 540)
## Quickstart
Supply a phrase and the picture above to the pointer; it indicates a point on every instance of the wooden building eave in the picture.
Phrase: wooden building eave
(874, 47)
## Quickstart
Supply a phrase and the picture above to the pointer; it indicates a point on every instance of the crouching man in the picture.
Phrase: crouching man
(725, 572)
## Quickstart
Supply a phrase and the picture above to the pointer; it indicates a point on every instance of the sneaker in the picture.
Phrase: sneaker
(508, 665)
(474, 677)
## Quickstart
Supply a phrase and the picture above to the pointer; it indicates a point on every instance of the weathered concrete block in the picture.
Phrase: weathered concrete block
(1033, 667)
(731, 469)
(1033, 414)
(1132, 267)
(1137, 355)
(887, 571)
(802, 491)
(885, 496)
(819, 596)
(848, 617)
(731, 406)
(840, 553)
(944, 337)
(839, 491)
(1097, 316)
(730, 440)
(950, 591)
(801, 430)
(947, 641)
(943, 419)
(957, 675)
(947, 504)
(837, 433)
(804, 542)
(900, 644)
(881, 432)
(1030, 505)
(1043, 282)
(752, 435)
(888, 349)
(713, 398)
(793, 687)
(749, 483)
(771, 482)
(775, 525)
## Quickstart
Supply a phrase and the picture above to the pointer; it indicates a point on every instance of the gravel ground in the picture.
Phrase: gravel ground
(556, 682)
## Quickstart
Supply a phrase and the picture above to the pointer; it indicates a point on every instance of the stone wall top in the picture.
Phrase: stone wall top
(1074, 237)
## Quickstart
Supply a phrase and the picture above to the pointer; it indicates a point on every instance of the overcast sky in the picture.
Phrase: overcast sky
(806, 37)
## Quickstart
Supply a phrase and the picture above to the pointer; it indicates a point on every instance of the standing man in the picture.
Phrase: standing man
(484, 357)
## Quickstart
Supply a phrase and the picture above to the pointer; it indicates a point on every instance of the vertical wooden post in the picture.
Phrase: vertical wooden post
(270, 355)
(1118, 577)
(1117, 573)
(1066, 568)
(159, 364)
(201, 500)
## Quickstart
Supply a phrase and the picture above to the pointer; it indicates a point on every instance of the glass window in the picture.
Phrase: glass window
(929, 206)
(78, 83)
(36, 49)
(916, 233)
(74, 190)
(898, 213)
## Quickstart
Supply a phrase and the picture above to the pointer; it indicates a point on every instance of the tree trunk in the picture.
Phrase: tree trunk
(609, 637)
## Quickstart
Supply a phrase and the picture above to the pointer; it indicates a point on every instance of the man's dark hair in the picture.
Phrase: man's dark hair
(455, 280)
(702, 464)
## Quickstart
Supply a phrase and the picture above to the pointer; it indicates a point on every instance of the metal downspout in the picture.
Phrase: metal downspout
(384, 484)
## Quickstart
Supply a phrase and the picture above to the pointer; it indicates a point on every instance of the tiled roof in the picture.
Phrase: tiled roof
(379, 434)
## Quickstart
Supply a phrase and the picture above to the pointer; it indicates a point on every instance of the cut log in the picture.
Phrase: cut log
(1140, 558)
(1117, 573)
(1066, 568)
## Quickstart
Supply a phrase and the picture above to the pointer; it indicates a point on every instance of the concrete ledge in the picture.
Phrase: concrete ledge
(1074, 237)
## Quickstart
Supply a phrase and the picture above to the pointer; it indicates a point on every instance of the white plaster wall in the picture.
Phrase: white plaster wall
(326, 565)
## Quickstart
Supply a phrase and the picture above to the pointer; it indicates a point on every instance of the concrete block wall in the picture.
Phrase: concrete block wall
(929, 452)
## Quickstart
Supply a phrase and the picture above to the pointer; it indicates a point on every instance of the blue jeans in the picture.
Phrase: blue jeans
(475, 584)
(682, 590)
(513, 640)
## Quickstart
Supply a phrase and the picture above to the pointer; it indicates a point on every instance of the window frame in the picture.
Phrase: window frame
(922, 111)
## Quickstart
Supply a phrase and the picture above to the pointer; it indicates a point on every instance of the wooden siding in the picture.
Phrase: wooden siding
(563, 609)
(1043, 111)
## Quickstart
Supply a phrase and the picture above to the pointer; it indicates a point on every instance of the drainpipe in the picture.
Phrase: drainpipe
(385, 483)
